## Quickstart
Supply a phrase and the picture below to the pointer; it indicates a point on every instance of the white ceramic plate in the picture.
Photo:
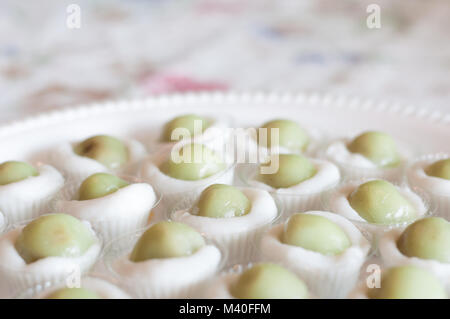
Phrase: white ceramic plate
(336, 116)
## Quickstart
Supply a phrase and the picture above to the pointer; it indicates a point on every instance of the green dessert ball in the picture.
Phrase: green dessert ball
(290, 135)
(107, 150)
(193, 162)
(378, 147)
(56, 235)
(316, 233)
(427, 238)
(167, 240)
(379, 202)
(440, 169)
(292, 170)
(268, 281)
(12, 171)
(99, 185)
(222, 201)
(408, 282)
(73, 293)
(189, 122)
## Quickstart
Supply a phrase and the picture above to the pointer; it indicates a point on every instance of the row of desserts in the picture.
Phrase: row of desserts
(320, 252)
(107, 154)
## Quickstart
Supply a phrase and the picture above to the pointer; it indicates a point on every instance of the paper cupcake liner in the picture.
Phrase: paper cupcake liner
(18, 281)
(392, 256)
(430, 184)
(109, 229)
(18, 211)
(241, 247)
(373, 232)
(324, 277)
(122, 246)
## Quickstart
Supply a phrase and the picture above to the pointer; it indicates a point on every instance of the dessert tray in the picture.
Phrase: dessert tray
(31, 139)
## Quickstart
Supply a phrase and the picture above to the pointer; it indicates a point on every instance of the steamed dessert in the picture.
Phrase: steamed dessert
(325, 249)
(90, 288)
(291, 136)
(432, 173)
(428, 238)
(13, 171)
(370, 154)
(185, 168)
(375, 204)
(275, 136)
(424, 243)
(188, 167)
(107, 150)
(197, 128)
(112, 205)
(407, 282)
(298, 181)
(260, 281)
(192, 124)
(379, 202)
(315, 233)
(26, 191)
(169, 260)
(47, 249)
(232, 216)
(100, 153)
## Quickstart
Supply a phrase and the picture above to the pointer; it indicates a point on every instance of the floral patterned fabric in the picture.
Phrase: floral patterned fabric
(138, 48)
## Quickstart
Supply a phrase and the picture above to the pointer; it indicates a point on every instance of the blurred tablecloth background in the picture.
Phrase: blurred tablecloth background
(137, 48)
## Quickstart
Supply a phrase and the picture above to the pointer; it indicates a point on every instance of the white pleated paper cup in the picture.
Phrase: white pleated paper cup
(106, 288)
(241, 245)
(352, 171)
(329, 277)
(332, 202)
(291, 201)
(437, 188)
(109, 227)
(161, 278)
(219, 287)
(392, 256)
(44, 272)
(31, 197)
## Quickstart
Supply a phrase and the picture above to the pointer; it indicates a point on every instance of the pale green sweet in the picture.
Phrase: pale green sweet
(440, 169)
(99, 185)
(187, 122)
(378, 147)
(379, 202)
(293, 169)
(73, 293)
(290, 135)
(167, 240)
(58, 235)
(427, 238)
(316, 233)
(268, 281)
(221, 201)
(12, 171)
(195, 162)
(107, 150)
(408, 282)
